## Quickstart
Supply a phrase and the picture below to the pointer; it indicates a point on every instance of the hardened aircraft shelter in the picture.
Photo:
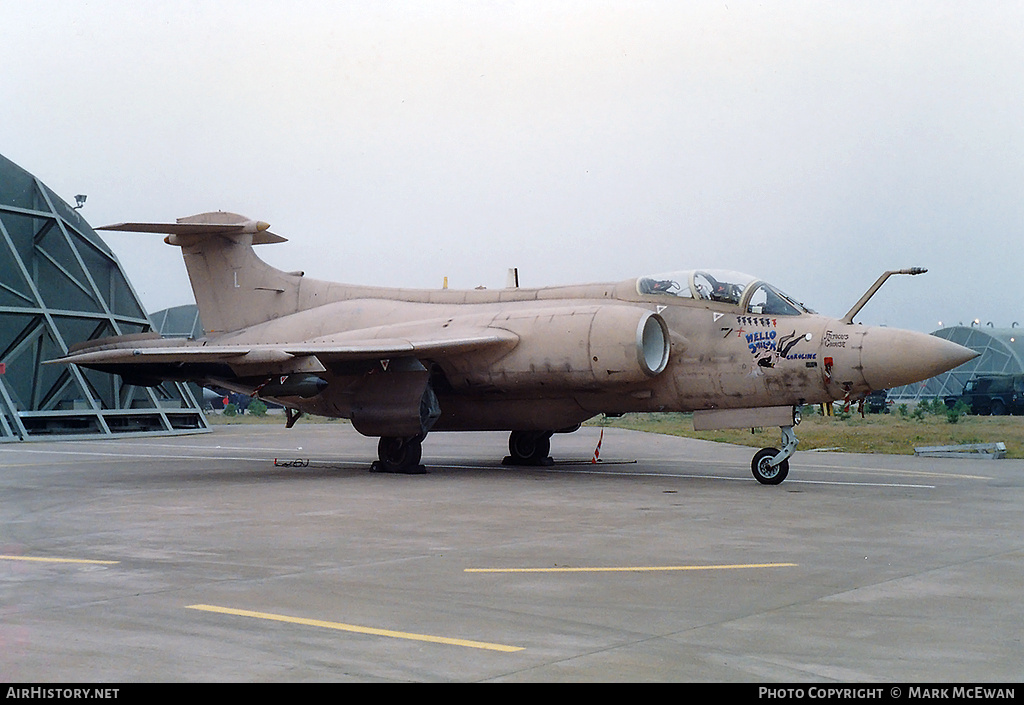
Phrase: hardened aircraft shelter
(1001, 352)
(59, 285)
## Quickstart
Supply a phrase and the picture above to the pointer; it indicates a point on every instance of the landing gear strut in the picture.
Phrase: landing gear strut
(529, 448)
(770, 465)
(399, 455)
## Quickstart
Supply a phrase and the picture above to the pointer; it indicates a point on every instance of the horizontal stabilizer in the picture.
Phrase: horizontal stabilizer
(218, 223)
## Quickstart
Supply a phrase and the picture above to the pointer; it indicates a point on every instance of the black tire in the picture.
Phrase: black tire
(399, 454)
(998, 407)
(529, 447)
(764, 472)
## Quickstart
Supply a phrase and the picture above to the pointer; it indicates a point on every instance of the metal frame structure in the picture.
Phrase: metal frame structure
(1001, 352)
(60, 284)
(178, 322)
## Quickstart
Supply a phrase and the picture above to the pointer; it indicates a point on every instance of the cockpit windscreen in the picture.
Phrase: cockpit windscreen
(757, 297)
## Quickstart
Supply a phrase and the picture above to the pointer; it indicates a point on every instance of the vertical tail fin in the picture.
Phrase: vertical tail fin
(233, 287)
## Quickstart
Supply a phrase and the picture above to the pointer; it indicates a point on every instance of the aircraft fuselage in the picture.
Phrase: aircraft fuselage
(400, 363)
(718, 357)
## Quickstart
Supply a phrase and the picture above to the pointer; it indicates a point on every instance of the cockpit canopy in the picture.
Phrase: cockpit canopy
(755, 296)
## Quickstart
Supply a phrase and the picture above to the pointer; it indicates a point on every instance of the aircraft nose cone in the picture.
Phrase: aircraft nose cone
(891, 357)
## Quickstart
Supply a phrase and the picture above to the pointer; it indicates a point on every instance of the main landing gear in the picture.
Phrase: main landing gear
(399, 455)
(529, 448)
(770, 465)
(402, 455)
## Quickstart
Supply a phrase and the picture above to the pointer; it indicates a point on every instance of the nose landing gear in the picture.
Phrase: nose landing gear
(770, 465)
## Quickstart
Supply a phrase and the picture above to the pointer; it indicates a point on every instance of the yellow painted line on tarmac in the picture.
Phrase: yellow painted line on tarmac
(356, 629)
(631, 569)
(39, 559)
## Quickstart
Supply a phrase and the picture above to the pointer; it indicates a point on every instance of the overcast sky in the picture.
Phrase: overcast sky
(813, 144)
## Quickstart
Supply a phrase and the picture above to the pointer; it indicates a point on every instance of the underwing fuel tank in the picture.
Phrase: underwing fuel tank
(304, 386)
(860, 359)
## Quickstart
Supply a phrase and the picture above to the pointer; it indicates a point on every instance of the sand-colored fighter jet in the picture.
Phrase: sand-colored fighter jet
(400, 363)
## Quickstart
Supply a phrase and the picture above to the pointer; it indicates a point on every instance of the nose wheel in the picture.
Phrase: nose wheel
(770, 466)
(764, 471)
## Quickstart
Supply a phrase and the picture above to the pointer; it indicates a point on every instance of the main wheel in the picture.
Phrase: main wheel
(764, 471)
(529, 447)
(400, 454)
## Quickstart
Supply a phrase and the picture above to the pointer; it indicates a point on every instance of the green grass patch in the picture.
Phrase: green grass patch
(272, 417)
(874, 433)
(894, 434)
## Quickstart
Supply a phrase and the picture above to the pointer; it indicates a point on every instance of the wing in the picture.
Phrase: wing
(541, 347)
(133, 354)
